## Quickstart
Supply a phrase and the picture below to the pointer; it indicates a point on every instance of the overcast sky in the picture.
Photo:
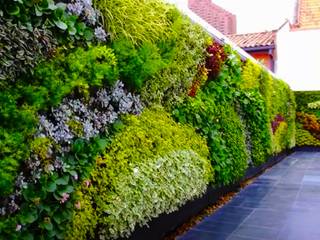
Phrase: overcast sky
(259, 15)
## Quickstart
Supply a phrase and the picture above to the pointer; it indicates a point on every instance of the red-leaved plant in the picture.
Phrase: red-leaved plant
(216, 59)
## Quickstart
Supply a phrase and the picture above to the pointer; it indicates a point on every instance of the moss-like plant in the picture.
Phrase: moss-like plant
(250, 75)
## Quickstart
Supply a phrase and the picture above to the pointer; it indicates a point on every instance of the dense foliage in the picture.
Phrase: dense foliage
(21, 50)
(183, 50)
(125, 19)
(110, 117)
(153, 166)
(254, 116)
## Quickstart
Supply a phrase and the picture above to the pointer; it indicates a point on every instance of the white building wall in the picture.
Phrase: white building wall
(298, 59)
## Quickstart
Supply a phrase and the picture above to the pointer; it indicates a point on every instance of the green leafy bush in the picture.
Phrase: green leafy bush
(74, 73)
(183, 50)
(48, 203)
(46, 14)
(303, 98)
(258, 131)
(250, 75)
(153, 166)
(221, 126)
(314, 105)
(283, 103)
(136, 64)
(224, 87)
(266, 89)
(279, 139)
(125, 19)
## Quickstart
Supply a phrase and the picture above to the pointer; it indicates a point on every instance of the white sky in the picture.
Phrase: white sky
(259, 15)
(256, 15)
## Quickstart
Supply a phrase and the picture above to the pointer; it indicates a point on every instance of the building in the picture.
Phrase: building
(298, 47)
(261, 46)
(219, 18)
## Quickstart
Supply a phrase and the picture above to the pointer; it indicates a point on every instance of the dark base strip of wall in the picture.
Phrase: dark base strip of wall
(307, 149)
(164, 224)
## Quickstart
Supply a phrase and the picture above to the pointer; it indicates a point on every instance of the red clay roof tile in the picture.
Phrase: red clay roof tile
(308, 14)
(250, 40)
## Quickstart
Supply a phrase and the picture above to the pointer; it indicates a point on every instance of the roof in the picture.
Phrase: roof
(308, 14)
(216, 16)
(253, 40)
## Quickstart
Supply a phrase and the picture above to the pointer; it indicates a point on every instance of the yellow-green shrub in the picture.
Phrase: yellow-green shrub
(153, 166)
(305, 138)
(250, 75)
(137, 20)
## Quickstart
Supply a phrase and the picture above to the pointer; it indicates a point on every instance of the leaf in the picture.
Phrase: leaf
(60, 24)
(52, 187)
(13, 10)
(29, 217)
(27, 236)
(72, 30)
(63, 180)
(57, 217)
(102, 144)
(69, 189)
(88, 34)
(48, 226)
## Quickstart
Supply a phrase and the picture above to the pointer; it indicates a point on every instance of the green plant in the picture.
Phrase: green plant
(310, 123)
(21, 50)
(74, 73)
(314, 105)
(48, 203)
(225, 85)
(153, 166)
(136, 64)
(305, 138)
(183, 50)
(279, 138)
(47, 14)
(125, 19)
(222, 128)
(266, 89)
(283, 103)
(303, 98)
(250, 75)
(258, 132)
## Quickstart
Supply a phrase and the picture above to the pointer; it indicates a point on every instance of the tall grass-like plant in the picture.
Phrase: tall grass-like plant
(136, 20)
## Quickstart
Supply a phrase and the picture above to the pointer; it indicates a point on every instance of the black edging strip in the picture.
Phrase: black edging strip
(161, 226)
(307, 149)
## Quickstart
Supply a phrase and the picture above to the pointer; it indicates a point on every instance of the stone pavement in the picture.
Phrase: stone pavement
(281, 204)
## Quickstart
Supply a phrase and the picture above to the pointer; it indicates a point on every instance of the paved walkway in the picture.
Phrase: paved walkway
(281, 204)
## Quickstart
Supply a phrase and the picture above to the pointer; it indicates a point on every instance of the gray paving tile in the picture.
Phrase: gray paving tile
(257, 232)
(281, 204)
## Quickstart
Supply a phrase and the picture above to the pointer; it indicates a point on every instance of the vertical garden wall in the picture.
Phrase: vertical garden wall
(110, 117)
(308, 122)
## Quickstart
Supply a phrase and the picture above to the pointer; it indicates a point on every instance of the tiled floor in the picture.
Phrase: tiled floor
(281, 204)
